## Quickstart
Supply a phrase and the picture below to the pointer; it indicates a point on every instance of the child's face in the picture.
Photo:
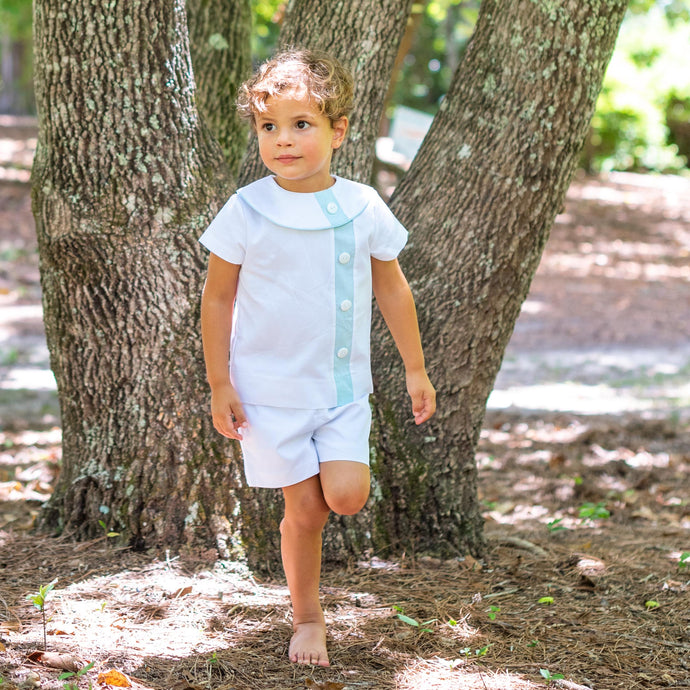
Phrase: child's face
(296, 142)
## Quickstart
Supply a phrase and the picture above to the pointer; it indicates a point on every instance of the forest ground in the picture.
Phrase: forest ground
(583, 465)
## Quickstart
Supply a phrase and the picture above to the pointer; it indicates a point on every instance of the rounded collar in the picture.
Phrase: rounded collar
(332, 207)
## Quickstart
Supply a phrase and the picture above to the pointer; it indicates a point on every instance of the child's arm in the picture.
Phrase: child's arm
(217, 303)
(394, 297)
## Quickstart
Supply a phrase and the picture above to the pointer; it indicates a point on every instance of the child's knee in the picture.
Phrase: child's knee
(308, 512)
(347, 500)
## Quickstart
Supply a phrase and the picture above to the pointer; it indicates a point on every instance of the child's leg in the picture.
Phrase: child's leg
(344, 487)
(306, 513)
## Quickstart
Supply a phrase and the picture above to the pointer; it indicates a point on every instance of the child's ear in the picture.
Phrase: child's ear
(339, 131)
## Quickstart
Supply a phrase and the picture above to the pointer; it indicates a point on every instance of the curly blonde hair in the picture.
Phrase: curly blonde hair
(306, 72)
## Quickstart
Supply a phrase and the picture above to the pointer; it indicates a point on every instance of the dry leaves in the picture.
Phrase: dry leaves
(114, 679)
(328, 685)
(64, 662)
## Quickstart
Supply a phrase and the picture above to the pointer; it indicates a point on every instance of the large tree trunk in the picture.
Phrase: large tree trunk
(219, 36)
(124, 181)
(479, 201)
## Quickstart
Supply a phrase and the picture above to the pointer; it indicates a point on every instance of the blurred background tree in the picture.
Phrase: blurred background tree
(642, 122)
(16, 87)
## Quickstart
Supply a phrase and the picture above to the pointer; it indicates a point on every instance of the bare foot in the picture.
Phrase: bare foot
(308, 644)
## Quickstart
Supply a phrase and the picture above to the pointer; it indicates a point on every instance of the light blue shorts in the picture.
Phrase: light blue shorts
(283, 446)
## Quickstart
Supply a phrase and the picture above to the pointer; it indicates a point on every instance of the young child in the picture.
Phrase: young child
(294, 257)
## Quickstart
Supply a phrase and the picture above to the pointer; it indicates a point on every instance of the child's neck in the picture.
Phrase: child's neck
(305, 186)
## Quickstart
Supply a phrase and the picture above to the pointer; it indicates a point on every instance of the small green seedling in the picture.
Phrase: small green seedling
(492, 611)
(545, 600)
(76, 675)
(106, 531)
(411, 621)
(651, 604)
(555, 525)
(684, 561)
(482, 650)
(548, 676)
(533, 643)
(477, 652)
(38, 599)
(594, 511)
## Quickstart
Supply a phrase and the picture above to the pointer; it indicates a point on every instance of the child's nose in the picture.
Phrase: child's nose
(284, 138)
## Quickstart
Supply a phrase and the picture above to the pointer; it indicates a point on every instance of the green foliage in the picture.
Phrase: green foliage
(439, 43)
(412, 621)
(555, 525)
(640, 122)
(76, 676)
(684, 561)
(38, 599)
(550, 676)
(467, 651)
(492, 611)
(594, 511)
(15, 25)
(267, 16)
(15, 19)
(106, 531)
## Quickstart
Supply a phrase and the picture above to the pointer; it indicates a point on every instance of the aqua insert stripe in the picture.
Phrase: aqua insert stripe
(344, 261)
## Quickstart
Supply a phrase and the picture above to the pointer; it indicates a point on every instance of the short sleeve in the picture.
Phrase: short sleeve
(389, 236)
(226, 235)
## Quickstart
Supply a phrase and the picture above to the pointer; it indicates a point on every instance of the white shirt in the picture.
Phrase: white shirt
(303, 313)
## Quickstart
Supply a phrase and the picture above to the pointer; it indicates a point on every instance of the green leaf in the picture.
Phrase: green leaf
(86, 668)
(408, 620)
(545, 600)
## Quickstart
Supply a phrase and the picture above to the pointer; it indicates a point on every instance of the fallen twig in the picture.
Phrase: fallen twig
(519, 544)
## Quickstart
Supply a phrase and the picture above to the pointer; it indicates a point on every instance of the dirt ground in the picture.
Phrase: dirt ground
(583, 465)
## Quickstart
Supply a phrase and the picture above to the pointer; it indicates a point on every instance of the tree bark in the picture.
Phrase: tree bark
(365, 37)
(479, 201)
(219, 38)
(125, 179)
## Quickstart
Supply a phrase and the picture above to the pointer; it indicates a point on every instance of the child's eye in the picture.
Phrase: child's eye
(303, 124)
(268, 126)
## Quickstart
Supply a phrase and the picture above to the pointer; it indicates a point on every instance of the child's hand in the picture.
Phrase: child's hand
(227, 412)
(423, 396)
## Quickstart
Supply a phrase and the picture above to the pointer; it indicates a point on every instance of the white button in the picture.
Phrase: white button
(342, 353)
(332, 207)
(345, 305)
(344, 258)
